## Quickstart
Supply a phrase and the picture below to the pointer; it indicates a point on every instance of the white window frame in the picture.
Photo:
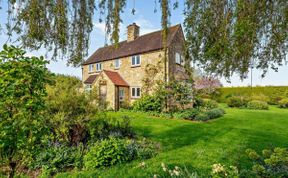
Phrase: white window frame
(119, 63)
(135, 92)
(98, 67)
(91, 68)
(135, 60)
(88, 88)
(177, 58)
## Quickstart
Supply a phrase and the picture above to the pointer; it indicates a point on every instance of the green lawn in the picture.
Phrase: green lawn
(198, 146)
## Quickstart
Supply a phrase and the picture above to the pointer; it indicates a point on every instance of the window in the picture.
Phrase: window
(88, 88)
(177, 58)
(121, 94)
(98, 67)
(135, 92)
(136, 61)
(182, 60)
(117, 63)
(91, 67)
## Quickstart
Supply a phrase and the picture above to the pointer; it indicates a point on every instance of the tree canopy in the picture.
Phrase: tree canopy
(223, 37)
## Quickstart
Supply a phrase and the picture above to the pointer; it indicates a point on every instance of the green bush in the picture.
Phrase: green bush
(148, 103)
(274, 93)
(283, 103)
(237, 101)
(58, 158)
(106, 153)
(209, 104)
(215, 113)
(186, 114)
(202, 117)
(272, 163)
(257, 105)
(141, 149)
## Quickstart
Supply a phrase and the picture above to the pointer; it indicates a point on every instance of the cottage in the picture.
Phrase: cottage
(118, 72)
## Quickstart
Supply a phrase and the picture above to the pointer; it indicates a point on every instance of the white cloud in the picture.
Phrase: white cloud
(100, 27)
(145, 25)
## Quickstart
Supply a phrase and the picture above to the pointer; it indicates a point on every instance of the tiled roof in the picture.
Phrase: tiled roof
(116, 78)
(90, 79)
(145, 43)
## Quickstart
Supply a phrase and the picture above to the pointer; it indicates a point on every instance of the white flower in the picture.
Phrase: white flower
(142, 164)
(217, 168)
(176, 168)
(162, 164)
(155, 176)
(164, 169)
(177, 173)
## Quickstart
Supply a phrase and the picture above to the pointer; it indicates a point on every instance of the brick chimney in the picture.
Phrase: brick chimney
(132, 32)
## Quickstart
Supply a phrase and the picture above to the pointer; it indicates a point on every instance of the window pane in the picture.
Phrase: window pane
(133, 60)
(138, 59)
(138, 91)
(133, 91)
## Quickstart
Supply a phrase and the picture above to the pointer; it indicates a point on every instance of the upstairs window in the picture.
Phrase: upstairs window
(98, 67)
(177, 58)
(117, 63)
(135, 60)
(135, 92)
(91, 67)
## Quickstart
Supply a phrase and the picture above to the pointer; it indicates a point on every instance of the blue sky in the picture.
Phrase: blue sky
(148, 22)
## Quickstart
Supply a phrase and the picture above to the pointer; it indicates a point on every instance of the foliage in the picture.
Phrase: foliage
(22, 92)
(283, 103)
(258, 105)
(207, 86)
(58, 158)
(222, 171)
(113, 150)
(226, 37)
(186, 114)
(70, 110)
(215, 113)
(149, 103)
(274, 93)
(104, 126)
(202, 117)
(237, 101)
(175, 171)
(106, 153)
(272, 163)
(209, 104)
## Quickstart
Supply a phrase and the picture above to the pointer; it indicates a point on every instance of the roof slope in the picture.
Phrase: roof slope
(116, 78)
(90, 79)
(145, 43)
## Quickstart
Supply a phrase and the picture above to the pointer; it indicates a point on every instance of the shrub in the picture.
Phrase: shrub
(142, 149)
(237, 101)
(283, 103)
(219, 171)
(215, 113)
(202, 117)
(272, 163)
(186, 114)
(148, 103)
(106, 153)
(258, 105)
(209, 104)
(58, 158)
(260, 97)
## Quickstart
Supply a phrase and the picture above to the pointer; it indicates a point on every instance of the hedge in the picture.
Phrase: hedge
(274, 93)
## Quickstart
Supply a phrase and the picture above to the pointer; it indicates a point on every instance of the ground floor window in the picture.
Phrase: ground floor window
(135, 92)
(88, 88)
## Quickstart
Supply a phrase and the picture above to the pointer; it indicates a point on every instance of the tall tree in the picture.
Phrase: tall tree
(227, 36)
(223, 36)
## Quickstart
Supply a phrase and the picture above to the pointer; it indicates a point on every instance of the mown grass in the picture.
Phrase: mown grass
(198, 146)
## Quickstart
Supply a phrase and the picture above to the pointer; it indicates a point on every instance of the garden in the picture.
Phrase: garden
(50, 128)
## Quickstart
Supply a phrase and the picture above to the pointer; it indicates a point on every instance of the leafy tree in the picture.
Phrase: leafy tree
(227, 37)
(22, 91)
(224, 37)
